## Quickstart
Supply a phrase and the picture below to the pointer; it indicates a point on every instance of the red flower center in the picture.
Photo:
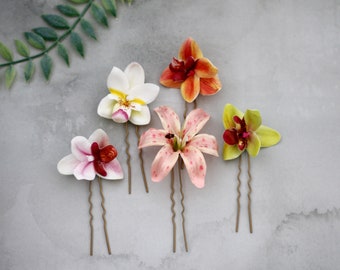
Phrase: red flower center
(238, 135)
(182, 69)
(102, 156)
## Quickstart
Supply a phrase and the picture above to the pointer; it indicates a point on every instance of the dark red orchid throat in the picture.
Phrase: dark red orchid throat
(237, 135)
(182, 69)
(102, 156)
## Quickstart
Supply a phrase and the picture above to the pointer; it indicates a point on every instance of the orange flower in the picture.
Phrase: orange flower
(191, 72)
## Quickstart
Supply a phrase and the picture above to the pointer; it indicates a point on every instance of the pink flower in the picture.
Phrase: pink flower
(180, 142)
(91, 157)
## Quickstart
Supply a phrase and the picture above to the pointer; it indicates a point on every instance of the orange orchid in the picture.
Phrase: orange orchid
(191, 72)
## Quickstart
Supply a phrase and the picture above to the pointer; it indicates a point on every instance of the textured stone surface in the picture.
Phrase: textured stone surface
(281, 57)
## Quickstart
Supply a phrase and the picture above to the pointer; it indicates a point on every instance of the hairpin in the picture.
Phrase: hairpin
(127, 102)
(180, 145)
(90, 158)
(245, 132)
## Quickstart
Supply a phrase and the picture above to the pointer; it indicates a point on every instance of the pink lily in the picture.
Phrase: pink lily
(182, 143)
(91, 157)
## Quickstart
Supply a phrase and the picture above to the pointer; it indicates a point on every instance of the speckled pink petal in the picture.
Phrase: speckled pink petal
(163, 163)
(205, 143)
(194, 122)
(195, 163)
(67, 165)
(169, 119)
(99, 136)
(81, 148)
(85, 171)
(153, 137)
(114, 170)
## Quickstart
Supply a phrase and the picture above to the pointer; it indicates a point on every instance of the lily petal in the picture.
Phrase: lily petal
(163, 163)
(190, 48)
(254, 145)
(210, 86)
(195, 163)
(67, 164)
(117, 80)
(105, 107)
(135, 74)
(190, 88)
(205, 143)
(147, 92)
(193, 123)
(231, 151)
(229, 112)
(167, 80)
(205, 69)
(253, 119)
(85, 171)
(100, 137)
(268, 136)
(114, 170)
(81, 148)
(169, 119)
(140, 117)
(153, 137)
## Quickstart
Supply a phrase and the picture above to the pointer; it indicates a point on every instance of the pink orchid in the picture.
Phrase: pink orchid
(91, 157)
(180, 142)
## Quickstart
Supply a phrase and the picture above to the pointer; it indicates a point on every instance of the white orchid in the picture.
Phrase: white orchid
(129, 96)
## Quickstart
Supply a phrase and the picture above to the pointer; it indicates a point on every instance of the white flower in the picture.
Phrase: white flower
(129, 96)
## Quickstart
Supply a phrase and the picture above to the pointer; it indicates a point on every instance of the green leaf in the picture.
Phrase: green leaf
(46, 66)
(78, 1)
(110, 6)
(22, 48)
(35, 40)
(10, 74)
(62, 52)
(55, 21)
(99, 14)
(29, 70)
(68, 10)
(6, 53)
(77, 43)
(88, 29)
(46, 33)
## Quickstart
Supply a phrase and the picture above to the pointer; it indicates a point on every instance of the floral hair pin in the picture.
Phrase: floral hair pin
(128, 102)
(90, 158)
(245, 132)
(180, 145)
(192, 73)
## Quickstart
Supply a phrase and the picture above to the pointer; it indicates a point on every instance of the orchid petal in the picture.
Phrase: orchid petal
(81, 148)
(194, 122)
(140, 117)
(67, 164)
(190, 48)
(205, 69)
(231, 151)
(120, 114)
(118, 80)
(153, 137)
(105, 107)
(100, 137)
(229, 112)
(169, 119)
(163, 163)
(268, 136)
(205, 143)
(210, 86)
(190, 88)
(253, 119)
(113, 169)
(135, 74)
(147, 92)
(167, 80)
(254, 145)
(85, 171)
(195, 163)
